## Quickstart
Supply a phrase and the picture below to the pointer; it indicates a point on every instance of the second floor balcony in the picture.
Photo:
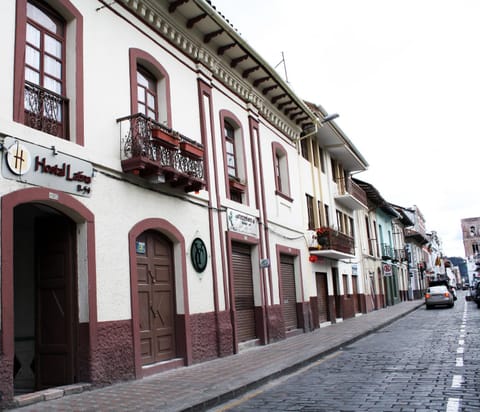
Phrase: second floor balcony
(387, 252)
(350, 195)
(331, 243)
(159, 154)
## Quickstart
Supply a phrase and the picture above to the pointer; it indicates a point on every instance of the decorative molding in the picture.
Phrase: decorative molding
(220, 71)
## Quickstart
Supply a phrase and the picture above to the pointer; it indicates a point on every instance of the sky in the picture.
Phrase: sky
(404, 76)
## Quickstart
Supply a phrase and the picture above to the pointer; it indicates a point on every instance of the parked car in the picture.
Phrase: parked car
(475, 294)
(438, 295)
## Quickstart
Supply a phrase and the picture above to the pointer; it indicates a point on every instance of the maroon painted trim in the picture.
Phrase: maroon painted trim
(152, 64)
(227, 115)
(276, 148)
(69, 12)
(78, 213)
(263, 204)
(205, 90)
(166, 228)
(253, 126)
(286, 250)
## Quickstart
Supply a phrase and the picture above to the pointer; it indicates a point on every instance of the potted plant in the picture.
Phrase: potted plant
(165, 138)
(191, 149)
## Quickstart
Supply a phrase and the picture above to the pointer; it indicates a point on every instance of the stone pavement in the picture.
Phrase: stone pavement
(207, 384)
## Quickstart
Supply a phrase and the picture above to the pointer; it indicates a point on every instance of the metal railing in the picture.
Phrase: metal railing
(348, 186)
(46, 110)
(328, 238)
(137, 141)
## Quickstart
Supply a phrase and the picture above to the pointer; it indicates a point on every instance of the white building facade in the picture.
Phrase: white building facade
(153, 209)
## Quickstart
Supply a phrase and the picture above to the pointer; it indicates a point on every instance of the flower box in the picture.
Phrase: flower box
(237, 185)
(191, 150)
(165, 138)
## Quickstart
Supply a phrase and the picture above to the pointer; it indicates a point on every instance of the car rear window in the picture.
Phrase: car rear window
(437, 289)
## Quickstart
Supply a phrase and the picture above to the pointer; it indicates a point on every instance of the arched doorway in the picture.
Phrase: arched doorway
(158, 280)
(24, 241)
(45, 298)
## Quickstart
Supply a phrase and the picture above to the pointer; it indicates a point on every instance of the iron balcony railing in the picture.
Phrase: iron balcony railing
(46, 110)
(328, 238)
(349, 187)
(149, 149)
(387, 251)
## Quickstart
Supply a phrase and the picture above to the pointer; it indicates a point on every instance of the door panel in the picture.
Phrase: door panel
(55, 292)
(156, 299)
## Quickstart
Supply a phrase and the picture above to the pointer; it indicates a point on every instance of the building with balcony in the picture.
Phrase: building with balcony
(154, 171)
(328, 159)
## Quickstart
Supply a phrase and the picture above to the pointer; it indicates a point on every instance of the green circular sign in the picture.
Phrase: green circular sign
(198, 254)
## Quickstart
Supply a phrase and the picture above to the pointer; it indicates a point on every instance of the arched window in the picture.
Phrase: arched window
(235, 174)
(280, 164)
(150, 87)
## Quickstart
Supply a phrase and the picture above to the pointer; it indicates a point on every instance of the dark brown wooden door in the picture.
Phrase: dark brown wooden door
(289, 297)
(156, 298)
(56, 316)
(322, 296)
(243, 292)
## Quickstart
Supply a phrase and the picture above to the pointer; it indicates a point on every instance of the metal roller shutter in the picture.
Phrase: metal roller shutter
(289, 298)
(322, 295)
(243, 284)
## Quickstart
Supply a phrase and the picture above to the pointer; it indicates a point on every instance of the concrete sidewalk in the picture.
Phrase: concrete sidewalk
(207, 384)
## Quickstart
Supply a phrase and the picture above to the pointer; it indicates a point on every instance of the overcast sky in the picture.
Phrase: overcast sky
(404, 75)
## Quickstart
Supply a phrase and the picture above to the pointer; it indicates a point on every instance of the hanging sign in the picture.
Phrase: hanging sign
(37, 165)
(387, 269)
(242, 223)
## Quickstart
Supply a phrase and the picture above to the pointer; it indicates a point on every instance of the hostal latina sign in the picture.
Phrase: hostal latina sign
(39, 166)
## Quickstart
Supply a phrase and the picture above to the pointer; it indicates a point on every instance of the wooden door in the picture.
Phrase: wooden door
(56, 315)
(156, 298)
(289, 297)
(243, 292)
(322, 296)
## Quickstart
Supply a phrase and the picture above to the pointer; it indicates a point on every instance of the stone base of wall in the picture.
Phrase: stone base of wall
(275, 323)
(6, 381)
(113, 359)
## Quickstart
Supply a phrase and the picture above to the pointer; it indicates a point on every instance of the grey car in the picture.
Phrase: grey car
(438, 296)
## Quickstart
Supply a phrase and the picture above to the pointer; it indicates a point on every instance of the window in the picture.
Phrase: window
(150, 87)
(45, 101)
(310, 216)
(41, 98)
(280, 164)
(304, 148)
(229, 133)
(369, 236)
(334, 170)
(322, 159)
(327, 216)
(146, 93)
(235, 175)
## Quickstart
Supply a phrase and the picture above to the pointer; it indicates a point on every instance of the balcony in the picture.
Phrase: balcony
(330, 243)
(350, 195)
(159, 154)
(399, 255)
(387, 252)
(45, 110)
